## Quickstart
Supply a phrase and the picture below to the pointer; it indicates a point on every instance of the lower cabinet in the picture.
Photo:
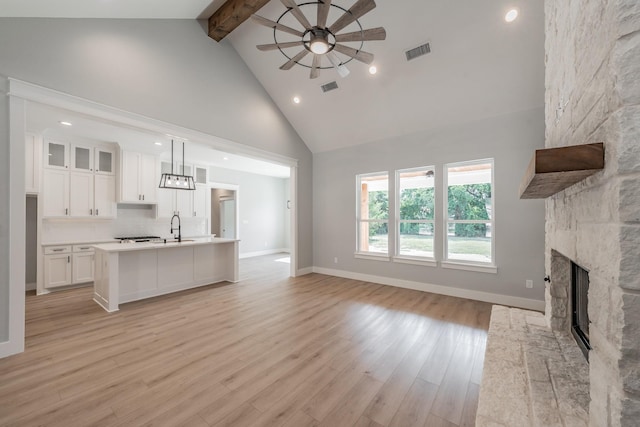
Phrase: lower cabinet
(68, 265)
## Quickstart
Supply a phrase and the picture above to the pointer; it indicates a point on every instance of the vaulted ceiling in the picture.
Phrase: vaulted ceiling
(479, 66)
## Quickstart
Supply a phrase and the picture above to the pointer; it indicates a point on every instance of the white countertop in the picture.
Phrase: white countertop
(123, 247)
(82, 242)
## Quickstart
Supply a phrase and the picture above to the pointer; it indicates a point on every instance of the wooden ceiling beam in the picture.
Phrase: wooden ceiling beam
(230, 15)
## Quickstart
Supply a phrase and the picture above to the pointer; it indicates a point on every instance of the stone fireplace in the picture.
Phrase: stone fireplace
(592, 52)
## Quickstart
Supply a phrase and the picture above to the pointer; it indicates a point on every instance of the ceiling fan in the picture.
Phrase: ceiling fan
(322, 40)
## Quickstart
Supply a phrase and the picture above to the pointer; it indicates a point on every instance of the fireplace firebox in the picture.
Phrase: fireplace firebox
(579, 305)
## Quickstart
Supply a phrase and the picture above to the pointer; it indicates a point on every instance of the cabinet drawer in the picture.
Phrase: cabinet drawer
(52, 250)
(82, 248)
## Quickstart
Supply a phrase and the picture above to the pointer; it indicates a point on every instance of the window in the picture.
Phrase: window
(415, 212)
(469, 205)
(373, 213)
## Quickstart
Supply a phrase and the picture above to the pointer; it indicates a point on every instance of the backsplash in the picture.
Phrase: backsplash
(132, 220)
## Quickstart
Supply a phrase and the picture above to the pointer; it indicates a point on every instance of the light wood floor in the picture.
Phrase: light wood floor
(270, 350)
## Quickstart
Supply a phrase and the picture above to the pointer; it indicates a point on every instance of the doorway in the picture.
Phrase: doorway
(227, 218)
(224, 213)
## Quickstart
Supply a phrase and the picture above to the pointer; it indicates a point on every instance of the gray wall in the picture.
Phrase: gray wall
(166, 70)
(262, 205)
(519, 226)
(31, 252)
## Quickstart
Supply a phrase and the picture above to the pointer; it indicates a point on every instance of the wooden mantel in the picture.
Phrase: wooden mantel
(551, 170)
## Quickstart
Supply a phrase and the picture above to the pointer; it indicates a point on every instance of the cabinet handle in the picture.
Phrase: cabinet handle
(143, 197)
(57, 250)
(66, 211)
(85, 247)
(194, 213)
(139, 197)
(97, 212)
(90, 211)
(68, 259)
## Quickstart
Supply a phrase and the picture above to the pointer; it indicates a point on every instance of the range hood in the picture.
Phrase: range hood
(174, 181)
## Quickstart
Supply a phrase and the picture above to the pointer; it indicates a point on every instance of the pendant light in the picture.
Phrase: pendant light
(175, 181)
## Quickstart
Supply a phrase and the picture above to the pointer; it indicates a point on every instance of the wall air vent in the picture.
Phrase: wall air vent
(329, 86)
(418, 51)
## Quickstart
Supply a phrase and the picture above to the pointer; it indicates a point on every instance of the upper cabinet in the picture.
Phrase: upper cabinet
(56, 154)
(138, 178)
(104, 161)
(100, 160)
(201, 174)
(33, 156)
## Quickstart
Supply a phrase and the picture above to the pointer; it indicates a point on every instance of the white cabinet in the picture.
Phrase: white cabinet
(57, 266)
(81, 195)
(201, 201)
(33, 156)
(68, 265)
(87, 158)
(56, 154)
(104, 196)
(186, 203)
(201, 174)
(104, 161)
(139, 179)
(81, 158)
(78, 195)
(55, 193)
(82, 264)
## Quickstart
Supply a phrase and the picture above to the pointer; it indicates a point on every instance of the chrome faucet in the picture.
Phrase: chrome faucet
(172, 229)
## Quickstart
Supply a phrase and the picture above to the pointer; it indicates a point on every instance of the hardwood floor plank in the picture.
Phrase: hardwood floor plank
(267, 351)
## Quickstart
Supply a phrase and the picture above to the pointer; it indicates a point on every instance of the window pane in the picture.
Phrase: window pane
(469, 242)
(469, 192)
(56, 154)
(416, 239)
(374, 197)
(105, 161)
(83, 158)
(417, 195)
(374, 237)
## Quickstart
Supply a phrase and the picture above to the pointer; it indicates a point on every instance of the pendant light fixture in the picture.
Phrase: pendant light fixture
(176, 181)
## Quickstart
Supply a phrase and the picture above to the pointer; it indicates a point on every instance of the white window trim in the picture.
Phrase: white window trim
(463, 264)
(367, 254)
(410, 259)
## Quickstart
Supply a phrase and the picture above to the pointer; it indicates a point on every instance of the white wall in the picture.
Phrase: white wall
(166, 70)
(519, 227)
(262, 205)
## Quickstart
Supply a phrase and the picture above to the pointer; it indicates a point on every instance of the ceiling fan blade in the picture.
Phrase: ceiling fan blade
(357, 10)
(272, 24)
(377, 33)
(274, 46)
(297, 13)
(315, 72)
(360, 55)
(323, 13)
(290, 63)
(335, 61)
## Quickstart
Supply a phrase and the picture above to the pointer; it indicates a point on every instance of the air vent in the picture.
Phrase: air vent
(329, 86)
(418, 51)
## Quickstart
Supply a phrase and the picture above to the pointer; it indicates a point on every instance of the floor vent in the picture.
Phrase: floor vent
(418, 51)
(329, 86)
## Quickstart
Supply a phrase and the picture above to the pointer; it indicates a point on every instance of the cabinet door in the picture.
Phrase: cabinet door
(57, 270)
(82, 267)
(149, 178)
(104, 195)
(81, 195)
(104, 161)
(81, 158)
(129, 191)
(33, 154)
(56, 155)
(200, 201)
(184, 202)
(55, 193)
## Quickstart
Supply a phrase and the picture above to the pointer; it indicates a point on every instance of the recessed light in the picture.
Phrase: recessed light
(296, 100)
(511, 15)
(373, 69)
(158, 143)
(65, 123)
(225, 158)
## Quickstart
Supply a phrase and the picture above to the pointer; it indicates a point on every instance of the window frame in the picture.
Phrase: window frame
(461, 263)
(414, 259)
(359, 253)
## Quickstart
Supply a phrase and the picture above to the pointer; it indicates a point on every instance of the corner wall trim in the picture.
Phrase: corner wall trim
(526, 303)
(305, 271)
(265, 252)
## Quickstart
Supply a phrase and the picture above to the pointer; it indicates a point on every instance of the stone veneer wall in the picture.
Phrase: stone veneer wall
(592, 56)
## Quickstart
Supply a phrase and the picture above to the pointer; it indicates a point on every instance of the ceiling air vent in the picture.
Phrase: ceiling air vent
(329, 86)
(418, 51)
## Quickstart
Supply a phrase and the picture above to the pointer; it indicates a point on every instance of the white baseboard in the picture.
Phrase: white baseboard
(30, 286)
(526, 303)
(261, 253)
(303, 271)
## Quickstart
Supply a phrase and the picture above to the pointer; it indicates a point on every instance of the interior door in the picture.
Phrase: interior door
(228, 219)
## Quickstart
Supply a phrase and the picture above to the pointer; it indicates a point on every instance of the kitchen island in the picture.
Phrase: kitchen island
(127, 272)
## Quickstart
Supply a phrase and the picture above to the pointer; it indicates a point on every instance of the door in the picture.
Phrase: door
(56, 155)
(55, 193)
(105, 196)
(228, 219)
(57, 270)
(149, 179)
(82, 267)
(104, 161)
(81, 158)
(81, 195)
(200, 201)
(130, 176)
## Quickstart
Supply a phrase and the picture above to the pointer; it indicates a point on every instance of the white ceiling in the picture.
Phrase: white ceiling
(480, 66)
(46, 120)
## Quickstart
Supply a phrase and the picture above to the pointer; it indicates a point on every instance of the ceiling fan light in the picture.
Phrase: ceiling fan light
(319, 46)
